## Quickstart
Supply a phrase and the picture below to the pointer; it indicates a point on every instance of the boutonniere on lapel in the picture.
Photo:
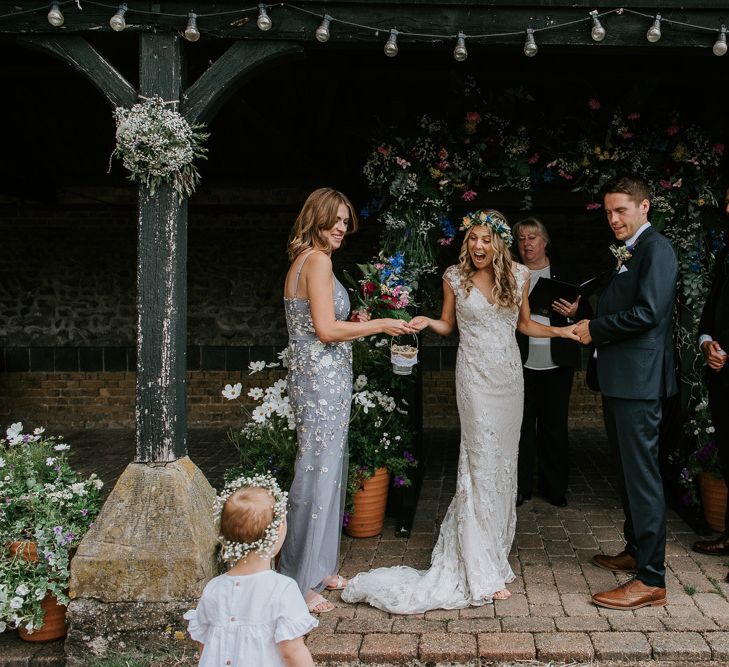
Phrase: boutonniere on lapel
(621, 253)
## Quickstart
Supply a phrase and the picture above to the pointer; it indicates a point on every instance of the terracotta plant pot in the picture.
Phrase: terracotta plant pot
(369, 506)
(27, 550)
(713, 498)
(54, 622)
(54, 618)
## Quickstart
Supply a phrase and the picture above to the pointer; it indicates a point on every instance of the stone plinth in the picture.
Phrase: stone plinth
(145, 560)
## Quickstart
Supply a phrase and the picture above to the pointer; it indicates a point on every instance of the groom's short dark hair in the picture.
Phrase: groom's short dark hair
(630, 184)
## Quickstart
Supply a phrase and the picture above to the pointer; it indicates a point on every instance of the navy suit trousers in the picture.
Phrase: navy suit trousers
(632, 427)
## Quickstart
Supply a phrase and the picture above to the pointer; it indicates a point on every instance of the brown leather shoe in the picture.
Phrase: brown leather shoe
(633, 594)
(718, 547)
(623, 562)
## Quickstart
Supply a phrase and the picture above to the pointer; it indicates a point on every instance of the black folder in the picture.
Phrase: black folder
(548, 290)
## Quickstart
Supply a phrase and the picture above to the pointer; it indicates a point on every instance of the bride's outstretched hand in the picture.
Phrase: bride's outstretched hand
(419, 322)
(568, 332)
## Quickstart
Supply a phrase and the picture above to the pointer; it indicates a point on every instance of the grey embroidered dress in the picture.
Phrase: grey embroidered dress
(470, 560)
(320, 391)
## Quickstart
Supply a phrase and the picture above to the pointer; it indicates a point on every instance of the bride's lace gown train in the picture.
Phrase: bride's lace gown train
(470, 559)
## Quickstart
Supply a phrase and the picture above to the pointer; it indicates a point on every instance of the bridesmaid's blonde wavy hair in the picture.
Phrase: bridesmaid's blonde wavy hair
(504, 291)
(318, 214)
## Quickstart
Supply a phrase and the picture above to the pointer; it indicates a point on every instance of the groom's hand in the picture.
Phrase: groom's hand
(582, 329)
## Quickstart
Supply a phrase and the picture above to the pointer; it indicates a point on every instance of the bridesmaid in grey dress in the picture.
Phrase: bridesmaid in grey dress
(320, 391)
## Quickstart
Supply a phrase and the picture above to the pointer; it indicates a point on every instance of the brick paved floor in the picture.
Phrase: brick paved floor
(549, 616)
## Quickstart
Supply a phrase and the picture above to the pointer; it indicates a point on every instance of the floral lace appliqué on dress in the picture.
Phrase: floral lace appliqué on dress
(470, 560)
(320, 391)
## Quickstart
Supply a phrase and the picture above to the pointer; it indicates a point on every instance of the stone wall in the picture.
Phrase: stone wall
(70, 401)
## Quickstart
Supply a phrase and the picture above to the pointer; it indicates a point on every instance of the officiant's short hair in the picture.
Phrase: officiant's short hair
(629, 184)
(531, 223)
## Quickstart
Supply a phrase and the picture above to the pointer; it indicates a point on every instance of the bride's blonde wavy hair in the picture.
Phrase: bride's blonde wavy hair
(318, 214)
(504, 291)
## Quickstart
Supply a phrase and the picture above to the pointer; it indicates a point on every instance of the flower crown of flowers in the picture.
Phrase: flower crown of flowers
(232, 552)
(493, 220)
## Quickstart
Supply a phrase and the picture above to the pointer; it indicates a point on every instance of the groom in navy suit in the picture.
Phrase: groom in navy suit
(633, 342)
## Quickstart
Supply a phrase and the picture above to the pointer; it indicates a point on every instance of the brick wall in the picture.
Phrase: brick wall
(65, 401)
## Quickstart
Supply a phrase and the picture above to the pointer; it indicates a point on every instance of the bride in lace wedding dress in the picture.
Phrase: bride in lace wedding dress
(485, 295)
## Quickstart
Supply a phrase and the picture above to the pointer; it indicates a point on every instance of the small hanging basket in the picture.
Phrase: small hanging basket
(403, 357)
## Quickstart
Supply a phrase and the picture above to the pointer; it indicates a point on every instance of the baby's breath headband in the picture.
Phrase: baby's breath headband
(232, 552)
(491, 219)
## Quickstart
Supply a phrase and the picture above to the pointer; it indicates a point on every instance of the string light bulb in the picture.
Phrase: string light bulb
(530, 45)
(654, 32)
(264, 20)
(191, 34)
(322, 32)
(118, 22)
(598, 32)
(460, 53)
(719, 48)
(391, 44)
(55, 15)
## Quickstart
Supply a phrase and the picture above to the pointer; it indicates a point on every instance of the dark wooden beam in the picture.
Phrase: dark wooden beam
(161, 413)
(77, 52)
(203, 98)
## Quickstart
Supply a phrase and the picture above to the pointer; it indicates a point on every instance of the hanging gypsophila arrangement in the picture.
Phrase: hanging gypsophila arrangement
(157, 145)
(232, 552)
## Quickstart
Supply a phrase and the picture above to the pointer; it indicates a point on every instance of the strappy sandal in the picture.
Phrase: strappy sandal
(338, 585)
(318, 601)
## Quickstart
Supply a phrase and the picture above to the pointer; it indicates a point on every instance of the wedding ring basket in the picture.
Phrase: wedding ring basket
(403, 357)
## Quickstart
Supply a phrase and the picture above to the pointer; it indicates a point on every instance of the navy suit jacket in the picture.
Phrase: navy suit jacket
(633, 331)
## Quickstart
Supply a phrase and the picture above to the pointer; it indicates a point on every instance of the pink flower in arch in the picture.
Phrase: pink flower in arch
(533, 159)
(469, 195)
(672, 130)
(473, 117)
(665, 184)
(594, 103)
(633, 115)
(383, 150)
(593, 206)
(719, 149)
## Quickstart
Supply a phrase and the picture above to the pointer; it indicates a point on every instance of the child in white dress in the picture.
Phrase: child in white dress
(252, 615)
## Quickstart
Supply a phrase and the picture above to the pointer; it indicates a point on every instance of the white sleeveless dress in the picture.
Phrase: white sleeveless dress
(470, 560)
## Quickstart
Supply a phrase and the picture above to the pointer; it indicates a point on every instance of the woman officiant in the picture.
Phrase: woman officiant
(549, 365)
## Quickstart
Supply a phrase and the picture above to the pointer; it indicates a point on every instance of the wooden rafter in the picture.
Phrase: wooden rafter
(83, 57)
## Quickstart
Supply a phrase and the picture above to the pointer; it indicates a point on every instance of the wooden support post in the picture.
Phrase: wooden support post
(161, 413)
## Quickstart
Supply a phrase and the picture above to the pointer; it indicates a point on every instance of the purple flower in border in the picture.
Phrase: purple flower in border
(58, 530)
(68, 538)
(398, 481)
(345, 519)
(84, 511)
(409, 456)
(686, 475)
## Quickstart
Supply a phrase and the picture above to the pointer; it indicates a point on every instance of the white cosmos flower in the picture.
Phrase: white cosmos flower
(14, 430)
(61, 447)
(50, 461)
(39, 430)
(256, 393)
(2, 462)
(360, 383)
(258, 415)
(79, 488)
(22, 590)
(232, 392)
(98, 483)
(256, 367)
(16, 603)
